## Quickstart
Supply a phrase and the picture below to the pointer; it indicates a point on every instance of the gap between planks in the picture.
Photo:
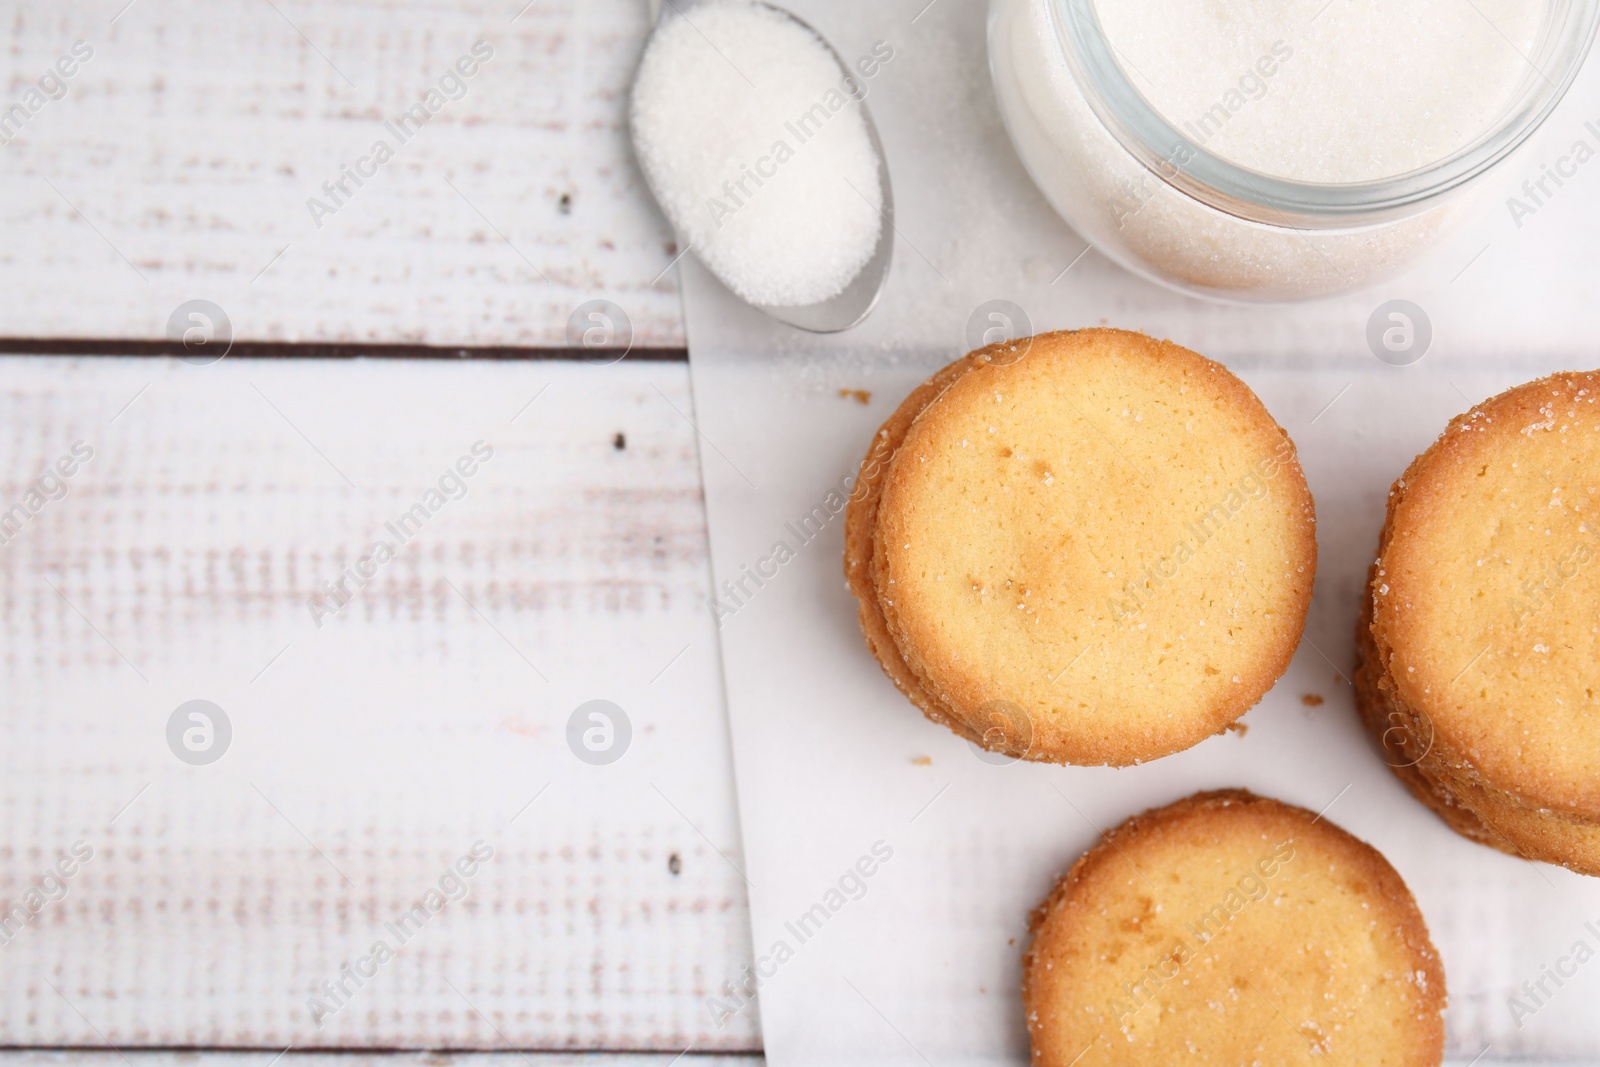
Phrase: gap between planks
(56, 346)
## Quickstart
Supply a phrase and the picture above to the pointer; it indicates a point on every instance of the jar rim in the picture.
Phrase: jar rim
(1187, 166)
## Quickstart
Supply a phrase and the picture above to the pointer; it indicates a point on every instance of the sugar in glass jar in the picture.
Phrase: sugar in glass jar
(1265, 150)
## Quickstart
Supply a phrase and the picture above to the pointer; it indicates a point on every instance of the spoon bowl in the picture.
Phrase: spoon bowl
(860, 295)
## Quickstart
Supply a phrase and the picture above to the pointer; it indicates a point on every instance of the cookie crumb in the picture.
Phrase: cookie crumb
(860, 396)
(1237, 728)
(619, 442)
(1312, 700)
(922, 761)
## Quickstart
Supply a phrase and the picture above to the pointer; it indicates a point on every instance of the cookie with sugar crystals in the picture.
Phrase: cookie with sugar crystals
(861, 514)
(1086, 547)
(1480, 646)
(1229, 928)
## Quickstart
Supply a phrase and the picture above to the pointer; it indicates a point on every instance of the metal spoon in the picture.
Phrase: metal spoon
(860, 296)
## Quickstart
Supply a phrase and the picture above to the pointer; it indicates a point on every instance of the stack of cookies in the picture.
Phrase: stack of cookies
(1227, 928)
(1087, 547)
(1480, 649)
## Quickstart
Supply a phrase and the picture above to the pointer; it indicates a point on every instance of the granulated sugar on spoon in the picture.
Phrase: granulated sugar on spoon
(755, 139)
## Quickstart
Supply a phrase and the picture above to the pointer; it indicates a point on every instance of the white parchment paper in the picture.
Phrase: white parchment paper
(837, 773)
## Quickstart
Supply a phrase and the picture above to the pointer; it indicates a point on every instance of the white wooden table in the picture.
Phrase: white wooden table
(370, 753)
(430, 714)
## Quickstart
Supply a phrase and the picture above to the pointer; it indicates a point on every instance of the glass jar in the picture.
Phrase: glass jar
(1150, 197)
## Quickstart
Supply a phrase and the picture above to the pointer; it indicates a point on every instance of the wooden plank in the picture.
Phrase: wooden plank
(174, 1058)
(180, 162)
(99, 1058)
(371, 753)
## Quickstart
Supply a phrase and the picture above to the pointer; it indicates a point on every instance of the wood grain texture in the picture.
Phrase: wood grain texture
(370, 753)
(175, 1058)
(180, 161)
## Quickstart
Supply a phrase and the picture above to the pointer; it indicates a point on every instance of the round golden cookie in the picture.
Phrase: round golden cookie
(1492, 818)
(1228, 928)
(1404, 745)
(1000, 727)
(1483, 632)
(1474, 810)
(861, 513)
(1488, 816)
(1100, 535)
